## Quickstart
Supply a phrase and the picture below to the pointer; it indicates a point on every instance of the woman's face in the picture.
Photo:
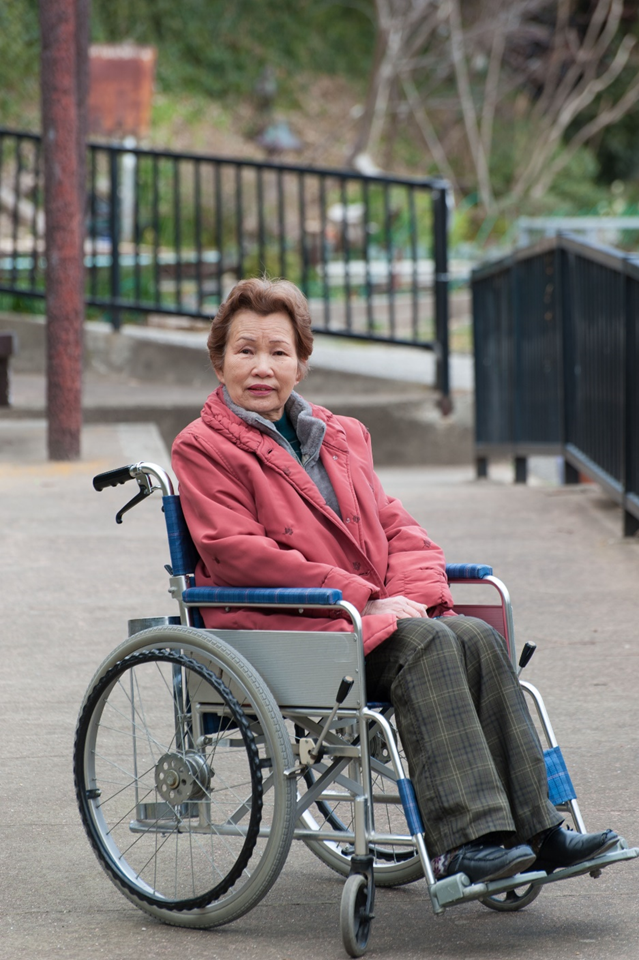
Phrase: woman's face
(260, 368)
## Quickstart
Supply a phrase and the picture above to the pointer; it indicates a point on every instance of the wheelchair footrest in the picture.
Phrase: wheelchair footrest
(617, 855)
(458, 888)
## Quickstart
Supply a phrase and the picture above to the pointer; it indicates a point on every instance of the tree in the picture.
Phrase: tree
(535, 75)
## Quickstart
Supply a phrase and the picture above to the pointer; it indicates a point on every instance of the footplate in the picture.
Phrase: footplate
(458, 888)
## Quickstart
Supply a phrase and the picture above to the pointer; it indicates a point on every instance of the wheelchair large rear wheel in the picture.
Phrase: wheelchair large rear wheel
(394, 864)
(179, 766)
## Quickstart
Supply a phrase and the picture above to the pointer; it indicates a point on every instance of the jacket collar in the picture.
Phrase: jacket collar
(223, 419)
(310, 429)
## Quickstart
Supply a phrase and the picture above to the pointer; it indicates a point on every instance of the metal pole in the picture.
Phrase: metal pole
(440, 237)
(64, 226)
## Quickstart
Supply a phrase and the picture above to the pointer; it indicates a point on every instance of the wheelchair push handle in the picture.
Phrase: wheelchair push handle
(149, 477)
(113, 477)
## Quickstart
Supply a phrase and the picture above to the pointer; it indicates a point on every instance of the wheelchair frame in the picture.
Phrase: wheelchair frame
(306, 743)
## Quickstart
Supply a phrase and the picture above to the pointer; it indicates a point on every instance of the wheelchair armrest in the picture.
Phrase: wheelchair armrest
(468, 571)
(297, 596)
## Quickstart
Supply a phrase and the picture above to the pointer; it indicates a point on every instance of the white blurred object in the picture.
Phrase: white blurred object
(365, 164)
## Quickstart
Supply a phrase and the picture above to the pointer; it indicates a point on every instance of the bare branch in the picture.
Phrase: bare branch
(491, 89)
(605, 118)
(467, 105)
(428, 133)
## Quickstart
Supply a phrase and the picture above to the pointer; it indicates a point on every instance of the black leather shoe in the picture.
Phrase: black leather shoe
(565, 848)
(486, 861)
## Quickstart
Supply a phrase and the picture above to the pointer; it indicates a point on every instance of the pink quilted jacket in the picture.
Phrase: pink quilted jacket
(258, 520)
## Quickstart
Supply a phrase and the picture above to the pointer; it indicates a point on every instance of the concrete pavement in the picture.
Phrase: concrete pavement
(70, 580)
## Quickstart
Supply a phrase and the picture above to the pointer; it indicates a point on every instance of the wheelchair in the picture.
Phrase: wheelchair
(201, 755)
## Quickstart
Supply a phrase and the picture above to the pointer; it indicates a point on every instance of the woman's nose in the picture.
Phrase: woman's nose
(262, 365)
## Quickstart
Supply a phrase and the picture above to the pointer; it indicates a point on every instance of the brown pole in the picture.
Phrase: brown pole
(64, 226)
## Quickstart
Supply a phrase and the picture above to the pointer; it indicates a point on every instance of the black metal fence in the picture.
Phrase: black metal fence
(170, 233)
(556, 330)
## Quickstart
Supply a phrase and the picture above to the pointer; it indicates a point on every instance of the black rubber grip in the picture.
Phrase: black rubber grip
(526, 653)
(344, 689)
(112, 477)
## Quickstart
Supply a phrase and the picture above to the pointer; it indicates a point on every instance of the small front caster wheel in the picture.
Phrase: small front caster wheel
(355, 915)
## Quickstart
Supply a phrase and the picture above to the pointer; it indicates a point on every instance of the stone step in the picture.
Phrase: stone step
(161, 376)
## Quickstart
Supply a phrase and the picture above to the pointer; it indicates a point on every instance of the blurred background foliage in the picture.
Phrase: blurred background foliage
(212, 53)
(217, 48)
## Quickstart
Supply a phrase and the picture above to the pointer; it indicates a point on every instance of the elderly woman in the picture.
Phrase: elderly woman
(280, 492)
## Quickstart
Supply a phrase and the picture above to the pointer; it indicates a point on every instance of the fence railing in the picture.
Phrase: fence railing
(556, 330)
(169, 233)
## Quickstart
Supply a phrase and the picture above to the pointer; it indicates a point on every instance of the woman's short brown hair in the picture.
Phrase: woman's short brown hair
(263, 296)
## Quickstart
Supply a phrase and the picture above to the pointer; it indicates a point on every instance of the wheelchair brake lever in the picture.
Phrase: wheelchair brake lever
(526, 654)
(311, 752)
(138, 498)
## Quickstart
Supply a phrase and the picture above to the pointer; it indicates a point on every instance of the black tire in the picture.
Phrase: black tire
(512, 900)
(233, 809)
(148, 782)
(354, 919)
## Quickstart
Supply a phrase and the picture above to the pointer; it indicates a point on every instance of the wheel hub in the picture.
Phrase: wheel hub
(181, 777)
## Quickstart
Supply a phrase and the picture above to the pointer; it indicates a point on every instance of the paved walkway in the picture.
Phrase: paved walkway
(70, 581)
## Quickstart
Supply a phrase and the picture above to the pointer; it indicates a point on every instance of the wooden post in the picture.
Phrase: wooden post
(63, 85)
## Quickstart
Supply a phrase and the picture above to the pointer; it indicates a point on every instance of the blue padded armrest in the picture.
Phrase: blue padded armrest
(266, 595)
(468, 571)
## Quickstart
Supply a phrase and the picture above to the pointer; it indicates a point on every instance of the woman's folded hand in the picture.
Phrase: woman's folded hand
(401, 607)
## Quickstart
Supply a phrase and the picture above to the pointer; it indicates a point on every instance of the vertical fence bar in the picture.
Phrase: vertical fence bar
(219, 236)
(390, 254)
(368, 286)
(93, 273)
(346, 255)
(197, 219)
(412, 213)
(137, 277)
(36, 209)
(177, 237)
(440, 242)
(114, 231)
(281, 220)
(302, 221)
(239, 217)
(16, 210)
(261, 248)
(324, 254)
(155, 215)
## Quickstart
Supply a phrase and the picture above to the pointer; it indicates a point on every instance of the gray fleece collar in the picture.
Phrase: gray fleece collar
(310, 430)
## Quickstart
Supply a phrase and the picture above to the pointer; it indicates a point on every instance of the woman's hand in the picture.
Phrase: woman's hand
(401, 607)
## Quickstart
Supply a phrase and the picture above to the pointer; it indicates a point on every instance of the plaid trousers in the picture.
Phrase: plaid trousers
(473, 753)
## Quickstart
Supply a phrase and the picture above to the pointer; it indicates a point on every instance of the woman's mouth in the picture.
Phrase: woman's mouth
(260, 390)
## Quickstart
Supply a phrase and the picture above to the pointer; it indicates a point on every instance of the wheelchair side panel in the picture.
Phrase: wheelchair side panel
(303, 669)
